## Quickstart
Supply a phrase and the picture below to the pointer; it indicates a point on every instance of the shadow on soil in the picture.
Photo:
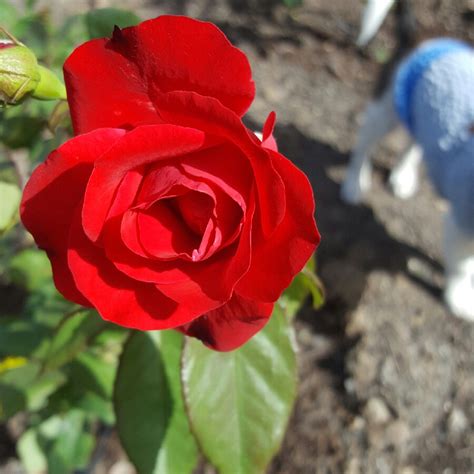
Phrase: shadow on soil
(255, 13)
(354, 244)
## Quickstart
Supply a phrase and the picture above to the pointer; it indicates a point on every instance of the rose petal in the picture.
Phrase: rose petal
(182, 199)
(105, 89)
(118, 298)
(207, 114)
(55, 187)
(233, 324)
(217, 276)
(179, 53)
(268, 140)
(179, 279)
(195, 208)
(226, 167)
(163, 234)
(141, 146)
(277, 260)
(108, 80)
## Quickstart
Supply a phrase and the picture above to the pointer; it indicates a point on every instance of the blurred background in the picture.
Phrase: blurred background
(386, 373)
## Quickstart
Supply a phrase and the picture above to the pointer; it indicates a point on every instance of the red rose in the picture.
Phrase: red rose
(165, 211)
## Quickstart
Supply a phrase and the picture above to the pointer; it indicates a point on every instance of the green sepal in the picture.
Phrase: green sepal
(49, 86)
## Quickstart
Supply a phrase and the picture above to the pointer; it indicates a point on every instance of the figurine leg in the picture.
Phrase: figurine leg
(459, 266)
(379, 119)
(404, 177)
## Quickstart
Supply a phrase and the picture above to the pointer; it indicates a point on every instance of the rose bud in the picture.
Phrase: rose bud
(19, 74)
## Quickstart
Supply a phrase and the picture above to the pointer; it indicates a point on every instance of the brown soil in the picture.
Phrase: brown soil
(386, 373)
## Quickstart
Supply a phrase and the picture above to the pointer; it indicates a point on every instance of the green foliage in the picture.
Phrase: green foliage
(304, 284)
(34, 30)
(62, 443)
(100, 23)
(239, 402)
(9, 200)
(12, 401)
(30, 269)
(89, 387)
(151, 420)
(9, 14)
(20, 131)
(71, 337)
(21, 338)
(292, 3)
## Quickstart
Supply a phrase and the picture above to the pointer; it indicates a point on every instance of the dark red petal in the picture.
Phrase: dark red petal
(217, 276)
(107, 80)
(126, 193)
(53, 192)
(164, 221)
(195, 208)
(268, 140)
(168, 180)
(118, 298)
(179, 279)
(105, 89)
(163, 234)
(233, 324)
(130, 258)
(123, 233)
(225, 166)
(207, 114)
(275, 261)
(139, 147)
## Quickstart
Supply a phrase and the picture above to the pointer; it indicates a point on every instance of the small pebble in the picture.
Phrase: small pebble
(377, 412)
(122, 467)
(397, 433)
(457, 422)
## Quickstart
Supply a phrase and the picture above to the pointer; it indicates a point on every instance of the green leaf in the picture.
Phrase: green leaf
(239, 402)
(151, 420)
(45, 385)
(21, 377)
(10, 196)
(35, 386)
(12, 401)
(89, 387)
(30, 453)
(304, 284)
(101, 22)
(71, 446)
(21, 337)
(72, 336)
(58, 445)
(315, 287)
(21, 131)
(30, 269)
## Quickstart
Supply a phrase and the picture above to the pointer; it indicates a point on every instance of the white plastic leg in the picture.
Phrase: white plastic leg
(404, 177)
(459, 264)
(379, 119)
